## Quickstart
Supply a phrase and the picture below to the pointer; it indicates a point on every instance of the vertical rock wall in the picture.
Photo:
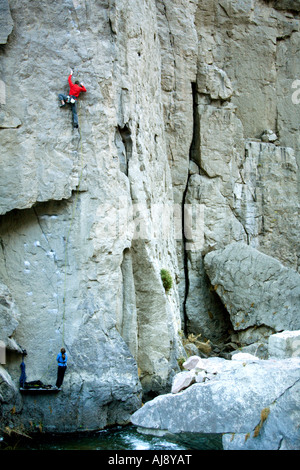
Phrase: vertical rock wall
(178, 96)
(81, 244)
(248, 179)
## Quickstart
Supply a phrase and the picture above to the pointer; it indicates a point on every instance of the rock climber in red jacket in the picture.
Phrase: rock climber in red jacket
(75, 90)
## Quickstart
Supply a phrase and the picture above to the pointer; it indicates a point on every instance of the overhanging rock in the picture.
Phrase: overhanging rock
(255, 288)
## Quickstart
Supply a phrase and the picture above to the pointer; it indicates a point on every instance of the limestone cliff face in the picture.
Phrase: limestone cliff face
(178, 97)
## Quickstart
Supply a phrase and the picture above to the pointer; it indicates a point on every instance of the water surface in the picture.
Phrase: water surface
(117, 438)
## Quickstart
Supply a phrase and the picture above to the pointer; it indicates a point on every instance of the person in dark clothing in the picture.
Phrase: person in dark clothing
(62, 366)
(75, 90)
(23, 375)
(23, 368)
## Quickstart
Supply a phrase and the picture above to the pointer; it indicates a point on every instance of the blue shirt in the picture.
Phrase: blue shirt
(60, 360)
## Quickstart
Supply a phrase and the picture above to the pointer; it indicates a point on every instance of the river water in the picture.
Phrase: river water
(117, 438)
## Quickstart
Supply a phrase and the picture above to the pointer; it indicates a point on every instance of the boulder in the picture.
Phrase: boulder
(201, 376)
(192, 362)
(183, 380)
(242, 356)
(269, 136)
(253, 403)
(284, 344)
(255, 288)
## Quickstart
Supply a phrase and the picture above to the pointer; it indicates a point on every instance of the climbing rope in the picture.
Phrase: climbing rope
(80, 148)
(70, 228)
(77, 190)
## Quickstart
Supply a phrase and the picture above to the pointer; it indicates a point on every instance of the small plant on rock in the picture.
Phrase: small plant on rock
(166, 279)
(263, 416)
(180, 362)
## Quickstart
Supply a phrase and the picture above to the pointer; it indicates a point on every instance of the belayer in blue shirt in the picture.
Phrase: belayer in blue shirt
(61, 358)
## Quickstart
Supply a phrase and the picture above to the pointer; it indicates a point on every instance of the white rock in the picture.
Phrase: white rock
(183, 380)
(244, 357)
(201, 376)
(285, 344)
(269, 136)
(192, 362)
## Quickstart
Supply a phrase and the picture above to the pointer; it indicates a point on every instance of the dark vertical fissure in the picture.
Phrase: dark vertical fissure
(195, 144)
(185, 264)
(124, 144)
(194, 155)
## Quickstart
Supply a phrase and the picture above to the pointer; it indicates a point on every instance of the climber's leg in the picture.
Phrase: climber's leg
(74, 114)
(62, 99)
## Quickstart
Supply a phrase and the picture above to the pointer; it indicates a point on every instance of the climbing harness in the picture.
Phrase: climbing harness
(71, 99)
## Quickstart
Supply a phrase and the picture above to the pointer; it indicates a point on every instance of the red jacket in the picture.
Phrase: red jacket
(75, 90)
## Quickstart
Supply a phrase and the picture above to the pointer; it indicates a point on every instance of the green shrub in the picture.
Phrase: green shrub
(166, 279)
(180, 361)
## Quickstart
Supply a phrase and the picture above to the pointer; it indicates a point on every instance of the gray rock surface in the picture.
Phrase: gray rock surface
(266, 202)
(9, 319)
(284, 344)
(6, 21)
(287, 5)
(248, 191)
(81, 249)
(256, 288)
(253, 403)
(171, 116)
(10, 399)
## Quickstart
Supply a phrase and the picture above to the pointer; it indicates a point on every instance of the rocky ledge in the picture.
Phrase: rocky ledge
(253, 403)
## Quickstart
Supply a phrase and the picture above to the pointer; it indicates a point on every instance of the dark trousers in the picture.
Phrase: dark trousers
(73, 107)
(60, 375)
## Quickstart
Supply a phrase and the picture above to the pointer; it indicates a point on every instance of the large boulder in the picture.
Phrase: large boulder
(254, 403)
(255, 288)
